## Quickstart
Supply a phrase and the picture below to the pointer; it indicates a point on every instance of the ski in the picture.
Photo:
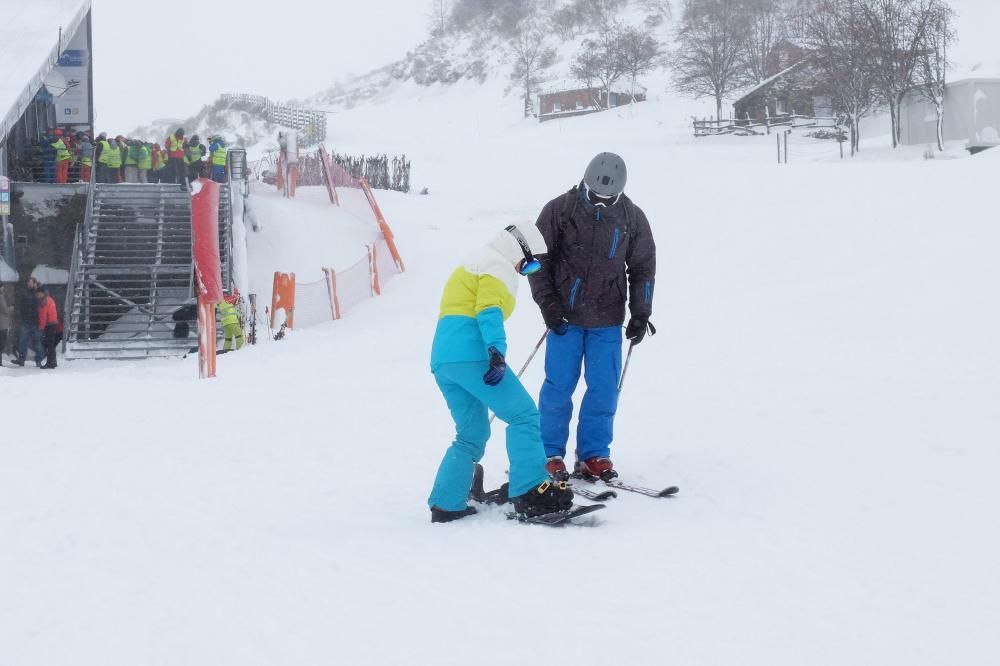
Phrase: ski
(557, 518)
(618, 484)
(593, 495)
(478, 493)
(669, 491)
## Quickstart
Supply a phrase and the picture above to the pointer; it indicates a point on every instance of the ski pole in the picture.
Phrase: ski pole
(541, 341)
(621, 382)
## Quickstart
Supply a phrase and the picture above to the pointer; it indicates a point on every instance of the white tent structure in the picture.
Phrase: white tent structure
(971, 114)
(33, 36)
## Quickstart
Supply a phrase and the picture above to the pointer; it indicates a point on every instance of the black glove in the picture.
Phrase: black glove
(555, 318)
(498, 368)
(637, 328)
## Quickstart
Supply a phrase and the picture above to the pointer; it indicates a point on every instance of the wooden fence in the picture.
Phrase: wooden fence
(761, 127)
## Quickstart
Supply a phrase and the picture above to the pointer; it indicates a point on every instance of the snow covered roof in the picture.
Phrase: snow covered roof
(987, 69)
(766, 82)
(567, 85)
(29, 48)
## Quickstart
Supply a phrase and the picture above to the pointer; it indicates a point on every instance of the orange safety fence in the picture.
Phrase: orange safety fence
(338, 292)
(283, 297)
(356, 197)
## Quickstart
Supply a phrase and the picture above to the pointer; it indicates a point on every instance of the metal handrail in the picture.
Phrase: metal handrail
(75, 262)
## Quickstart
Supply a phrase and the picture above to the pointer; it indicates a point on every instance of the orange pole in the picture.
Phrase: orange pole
(206, 338)
(373, 260)
(383, 225)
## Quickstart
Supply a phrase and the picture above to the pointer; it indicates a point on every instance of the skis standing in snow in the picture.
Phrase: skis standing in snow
(468, 363)
(601, 253)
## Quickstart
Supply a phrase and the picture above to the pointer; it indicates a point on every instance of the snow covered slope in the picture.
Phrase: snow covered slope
(823, 389)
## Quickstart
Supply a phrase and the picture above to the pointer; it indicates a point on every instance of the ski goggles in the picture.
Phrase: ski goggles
(597, 200)
(529, 264)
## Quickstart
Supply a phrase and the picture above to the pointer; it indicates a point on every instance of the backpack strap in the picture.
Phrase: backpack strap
(564, 218)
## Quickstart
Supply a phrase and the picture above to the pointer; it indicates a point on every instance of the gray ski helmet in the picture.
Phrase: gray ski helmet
(606, 175)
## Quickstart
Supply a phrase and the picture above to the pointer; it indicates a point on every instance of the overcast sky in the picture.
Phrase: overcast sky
(167, 58)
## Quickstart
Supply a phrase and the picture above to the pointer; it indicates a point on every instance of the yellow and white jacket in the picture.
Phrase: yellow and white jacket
(478, 297)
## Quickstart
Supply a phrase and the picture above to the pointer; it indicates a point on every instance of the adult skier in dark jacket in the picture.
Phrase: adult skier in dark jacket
(602, 257)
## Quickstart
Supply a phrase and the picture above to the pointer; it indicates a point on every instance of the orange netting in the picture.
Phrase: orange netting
(340, 290)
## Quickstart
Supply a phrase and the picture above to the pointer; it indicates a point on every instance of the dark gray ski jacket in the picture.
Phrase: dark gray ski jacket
(598, 258)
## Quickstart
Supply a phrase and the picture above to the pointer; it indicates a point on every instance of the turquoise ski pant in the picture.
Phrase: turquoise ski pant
(470, 400)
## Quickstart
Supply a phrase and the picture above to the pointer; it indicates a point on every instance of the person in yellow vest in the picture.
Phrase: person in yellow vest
(85, 155)
(159, 173)
(195, 154)
(230, 320)
(109, 160)
(176, 154)
(131, 162)
(144, 160)
(218, 151)
(63, 157)
(115, 161)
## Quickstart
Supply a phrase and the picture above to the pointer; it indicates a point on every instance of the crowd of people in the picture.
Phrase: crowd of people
(38, 328)
(75, 157)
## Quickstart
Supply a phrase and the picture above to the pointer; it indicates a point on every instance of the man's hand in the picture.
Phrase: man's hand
(637, 328)
(555, 318)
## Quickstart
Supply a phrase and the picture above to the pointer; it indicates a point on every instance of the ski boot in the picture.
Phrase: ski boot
(595, 468)
(549, 497)
(557, 468)
(441, 516)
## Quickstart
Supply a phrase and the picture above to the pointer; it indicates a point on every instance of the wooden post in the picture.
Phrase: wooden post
(778, 137)
(787, 132)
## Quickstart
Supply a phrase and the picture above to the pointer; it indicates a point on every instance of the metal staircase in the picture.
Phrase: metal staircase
(133, 270)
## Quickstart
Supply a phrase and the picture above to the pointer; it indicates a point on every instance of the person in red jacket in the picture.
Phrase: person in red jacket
(48, 324)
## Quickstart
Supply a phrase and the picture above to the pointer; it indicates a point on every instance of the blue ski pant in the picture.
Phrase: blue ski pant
(470, 400)
(218, 173)
(599, 351)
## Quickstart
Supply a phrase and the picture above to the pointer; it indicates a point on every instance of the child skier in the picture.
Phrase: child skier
(468, 363)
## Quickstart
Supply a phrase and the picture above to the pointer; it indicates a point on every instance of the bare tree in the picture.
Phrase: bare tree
(933, 66)
(707, 59)
(657, 11)
(765, 28)
(896, 30)
(584, 69)
(639, 51)
(531, 56)
(600, 61)
(438, 17)
(844, 57)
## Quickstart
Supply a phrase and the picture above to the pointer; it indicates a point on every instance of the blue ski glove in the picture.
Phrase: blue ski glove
(498, 368)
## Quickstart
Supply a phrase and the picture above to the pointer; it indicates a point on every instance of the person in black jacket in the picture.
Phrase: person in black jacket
(601, 258)
(29, 333)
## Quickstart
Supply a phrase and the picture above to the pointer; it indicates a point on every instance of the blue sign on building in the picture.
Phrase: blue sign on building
(73, 58)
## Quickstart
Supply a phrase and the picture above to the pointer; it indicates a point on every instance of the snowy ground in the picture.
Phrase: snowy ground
(823, 388)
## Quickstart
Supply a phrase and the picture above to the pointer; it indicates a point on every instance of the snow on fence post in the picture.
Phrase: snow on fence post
(331, 285)
(283, 296)
(208, 268)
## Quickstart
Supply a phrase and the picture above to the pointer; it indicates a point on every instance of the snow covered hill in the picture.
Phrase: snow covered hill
(823, 389)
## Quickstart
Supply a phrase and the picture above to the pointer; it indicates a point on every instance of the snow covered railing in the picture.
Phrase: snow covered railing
(751, 127)
(310, 122)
